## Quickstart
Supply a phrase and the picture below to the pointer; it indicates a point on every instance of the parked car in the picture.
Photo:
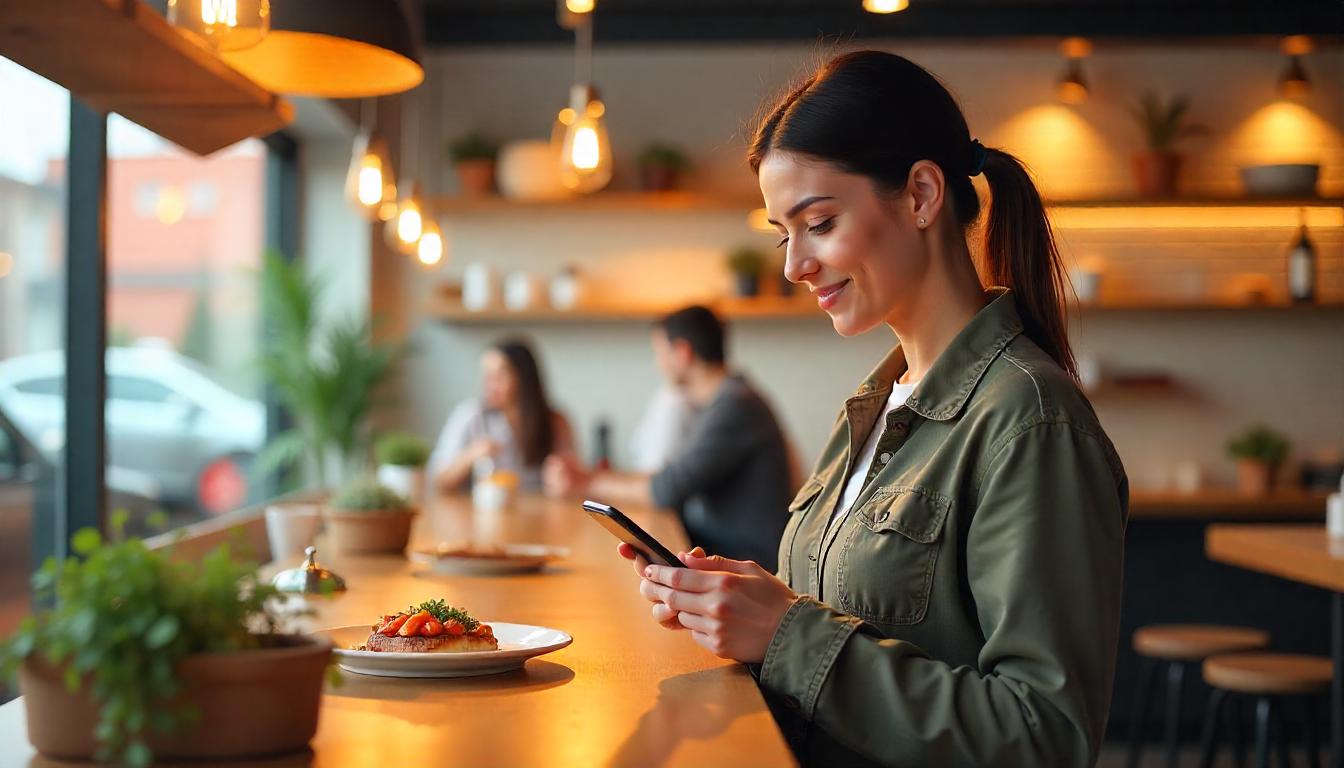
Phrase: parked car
(167, 420)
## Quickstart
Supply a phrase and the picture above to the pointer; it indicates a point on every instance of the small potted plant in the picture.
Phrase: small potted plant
(367, 518)
(1258, 452)
(661, 166)
(474, 158)
(1163, 124)
(746, 265)
(142, 657)
(401, 463)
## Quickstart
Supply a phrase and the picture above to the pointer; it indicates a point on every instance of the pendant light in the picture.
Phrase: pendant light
(585, 150)
(403, 229)
(332, 49)
(224, 25)
(885, 6)
(429, 251)
(1071, 88)
(570, 13)
(432, 246)
(1294, 83)
(369, 183)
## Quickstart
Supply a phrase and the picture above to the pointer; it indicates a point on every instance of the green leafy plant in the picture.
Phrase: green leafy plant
(122, 618)
(326, 374)
(473, 146)
(401, 449)
(746, 261)
(444, 612)
(1258, 443)
(367, 495)
(1163, 122)
(663, 156)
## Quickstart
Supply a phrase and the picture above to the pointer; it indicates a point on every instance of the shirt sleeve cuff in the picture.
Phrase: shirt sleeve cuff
(803, 650)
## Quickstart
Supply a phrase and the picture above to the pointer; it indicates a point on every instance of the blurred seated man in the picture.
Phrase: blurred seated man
(731, 481)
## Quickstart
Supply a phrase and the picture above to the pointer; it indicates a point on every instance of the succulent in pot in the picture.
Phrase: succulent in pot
(474, 158)
(401, 464)
(661, 167)
(142, 656)
(366, 517)
(1258, 452)
(746, 265)
(1163, 124)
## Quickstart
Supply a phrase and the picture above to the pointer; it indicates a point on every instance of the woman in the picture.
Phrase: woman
(511, 428)
(949, 582)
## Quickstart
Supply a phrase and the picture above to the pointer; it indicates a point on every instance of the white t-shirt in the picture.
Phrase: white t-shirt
(899, 394)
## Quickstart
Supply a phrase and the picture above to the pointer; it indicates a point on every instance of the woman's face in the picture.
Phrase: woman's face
(860, 253)
(499, 384)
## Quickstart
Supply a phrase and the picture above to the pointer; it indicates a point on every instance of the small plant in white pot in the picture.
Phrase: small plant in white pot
(142, 657)
(401, 464)
(1258, 452)
(368, 518)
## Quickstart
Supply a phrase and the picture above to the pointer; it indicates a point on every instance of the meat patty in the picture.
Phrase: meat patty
(439, 644)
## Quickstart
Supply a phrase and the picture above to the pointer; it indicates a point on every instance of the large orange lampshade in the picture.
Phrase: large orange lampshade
(337, 49)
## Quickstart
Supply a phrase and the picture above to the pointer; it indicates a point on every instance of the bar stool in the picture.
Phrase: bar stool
(1177, 646)
(1269, 677)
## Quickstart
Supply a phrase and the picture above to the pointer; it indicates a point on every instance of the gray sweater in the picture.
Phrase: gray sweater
(731, 482)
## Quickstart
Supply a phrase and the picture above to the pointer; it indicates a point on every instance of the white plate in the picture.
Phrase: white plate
(516, 558)
(517, 644)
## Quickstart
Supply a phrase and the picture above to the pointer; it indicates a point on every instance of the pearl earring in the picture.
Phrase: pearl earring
(922, 222)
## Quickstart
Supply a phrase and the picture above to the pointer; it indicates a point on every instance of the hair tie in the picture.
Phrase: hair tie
(978, 155)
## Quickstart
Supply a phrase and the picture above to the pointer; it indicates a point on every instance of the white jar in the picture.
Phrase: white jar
(520, 291)
(565, 290)
(478, 286)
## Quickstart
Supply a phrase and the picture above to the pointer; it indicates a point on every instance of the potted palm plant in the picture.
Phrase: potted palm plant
(1163, 124)
(142, 656)
(367, 518)
(661, 166)
(325, 374)
(1258, 452)
(746, 265)
(401, 463)
(473, 157)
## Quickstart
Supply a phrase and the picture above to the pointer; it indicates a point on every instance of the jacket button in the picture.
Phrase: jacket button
(884, 458)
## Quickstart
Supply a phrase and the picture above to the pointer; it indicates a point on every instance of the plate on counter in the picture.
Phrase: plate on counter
(489, 561)
(517, 644)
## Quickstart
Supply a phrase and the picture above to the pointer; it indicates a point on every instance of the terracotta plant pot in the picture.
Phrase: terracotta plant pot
(369, 532)
(1155, 173)
(659, 178)
(251, 703)
(1255, 477)
(476, 178)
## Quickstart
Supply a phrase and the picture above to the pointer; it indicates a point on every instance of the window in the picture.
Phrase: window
(33, 152)
(185, 236)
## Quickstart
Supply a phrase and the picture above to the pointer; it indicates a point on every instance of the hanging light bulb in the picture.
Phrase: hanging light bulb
(585, 154)
(224, 25)
(885, 6)
(430, 249)
(368, 183)
(1071, 88)
(1294, 83)
(402, 231)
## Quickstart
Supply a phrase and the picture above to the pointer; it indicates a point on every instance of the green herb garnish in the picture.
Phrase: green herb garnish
(443, 612)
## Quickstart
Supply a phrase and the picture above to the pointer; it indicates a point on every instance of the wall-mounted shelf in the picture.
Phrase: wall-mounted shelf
(1218, 504)
(121, 56)
(802, 307)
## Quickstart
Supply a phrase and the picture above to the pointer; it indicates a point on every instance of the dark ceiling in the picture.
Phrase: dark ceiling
(485, 22)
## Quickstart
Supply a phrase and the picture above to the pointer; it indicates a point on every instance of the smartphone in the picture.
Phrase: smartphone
(625, 529)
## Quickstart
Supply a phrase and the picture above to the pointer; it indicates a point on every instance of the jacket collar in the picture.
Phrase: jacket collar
(949, 383)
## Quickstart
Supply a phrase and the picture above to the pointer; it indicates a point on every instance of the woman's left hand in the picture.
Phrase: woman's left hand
(731, 607)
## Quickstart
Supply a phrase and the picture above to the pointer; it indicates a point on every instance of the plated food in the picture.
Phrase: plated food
(465, 559)
(431, 627)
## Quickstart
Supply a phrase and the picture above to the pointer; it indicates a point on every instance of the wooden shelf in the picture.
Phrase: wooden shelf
(1287, 504)
(602, 201)
(1201, 202)
(800, 307)
(1212, 305)
(121, 56)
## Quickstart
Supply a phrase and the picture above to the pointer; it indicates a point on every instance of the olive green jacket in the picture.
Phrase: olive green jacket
(965, 609)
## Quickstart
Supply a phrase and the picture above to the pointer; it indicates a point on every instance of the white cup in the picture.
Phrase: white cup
(291, 528)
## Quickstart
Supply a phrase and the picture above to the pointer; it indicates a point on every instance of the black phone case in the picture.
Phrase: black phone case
(627, 531)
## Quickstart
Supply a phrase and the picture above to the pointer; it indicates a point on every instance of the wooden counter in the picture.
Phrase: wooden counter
(626, 693)
(1218, 504)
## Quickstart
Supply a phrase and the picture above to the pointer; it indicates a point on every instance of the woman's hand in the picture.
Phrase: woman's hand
(731, 607)
(563, 476)
(481, 449)
(661, 613)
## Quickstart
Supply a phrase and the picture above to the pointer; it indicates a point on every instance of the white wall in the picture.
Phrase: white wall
(1233, 367)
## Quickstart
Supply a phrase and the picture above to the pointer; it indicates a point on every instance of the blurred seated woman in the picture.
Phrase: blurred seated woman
(510, 428)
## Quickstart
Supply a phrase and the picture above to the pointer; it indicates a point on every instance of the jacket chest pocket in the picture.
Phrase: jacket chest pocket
(806, 497)
(889, 555)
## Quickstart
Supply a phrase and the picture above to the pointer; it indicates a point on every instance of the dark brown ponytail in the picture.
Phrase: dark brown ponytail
(877, 114)
(1020, 253)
